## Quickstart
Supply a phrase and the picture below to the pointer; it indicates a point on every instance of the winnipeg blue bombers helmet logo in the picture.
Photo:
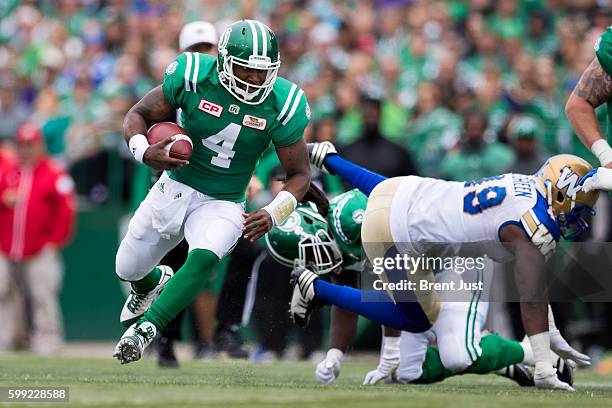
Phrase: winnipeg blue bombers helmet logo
(570, 180)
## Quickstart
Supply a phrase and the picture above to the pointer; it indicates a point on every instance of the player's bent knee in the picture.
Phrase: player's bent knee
(453, 359)
(127, 266)
(408, 375)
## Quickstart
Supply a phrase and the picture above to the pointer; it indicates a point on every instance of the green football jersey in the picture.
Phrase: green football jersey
(228, 136)
(603, 51)
(345, 217)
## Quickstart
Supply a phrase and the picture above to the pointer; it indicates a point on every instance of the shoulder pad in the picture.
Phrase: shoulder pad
(540, 227)
(290, 99)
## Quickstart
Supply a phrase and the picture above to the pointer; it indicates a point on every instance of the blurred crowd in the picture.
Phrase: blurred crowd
(452, 89)
(451, 75)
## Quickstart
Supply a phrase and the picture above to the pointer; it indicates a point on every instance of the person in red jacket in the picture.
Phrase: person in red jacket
(37, 211)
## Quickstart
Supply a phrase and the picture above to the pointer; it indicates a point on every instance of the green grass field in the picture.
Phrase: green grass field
(96, 382)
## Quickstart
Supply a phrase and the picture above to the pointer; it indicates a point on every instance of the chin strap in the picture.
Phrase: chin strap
(548, 185)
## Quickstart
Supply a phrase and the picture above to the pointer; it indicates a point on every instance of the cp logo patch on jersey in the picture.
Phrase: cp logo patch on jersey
(254, 122)
(209, 107)
(568, 179)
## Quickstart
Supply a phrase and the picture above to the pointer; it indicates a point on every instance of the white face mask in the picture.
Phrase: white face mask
(245, 91)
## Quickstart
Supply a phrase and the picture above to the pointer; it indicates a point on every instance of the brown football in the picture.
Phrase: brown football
(180, 148)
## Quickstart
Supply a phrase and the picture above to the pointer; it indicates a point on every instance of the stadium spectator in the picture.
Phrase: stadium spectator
(12, 110)
(524, 133)
(433, 130)
(380, 154)
(474, 158)
(37, 209)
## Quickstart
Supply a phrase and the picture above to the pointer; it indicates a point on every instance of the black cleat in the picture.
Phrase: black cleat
(165, 353)
(303, 300)
(228, 341)
(565, 372)
(520, 374)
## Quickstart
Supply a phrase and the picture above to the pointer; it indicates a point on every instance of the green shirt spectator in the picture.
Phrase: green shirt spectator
(474, 158)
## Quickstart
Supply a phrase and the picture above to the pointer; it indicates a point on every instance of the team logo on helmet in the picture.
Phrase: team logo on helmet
(358, 216)
(570, 180)
(290, 223)
(171, 68)
(224, 40)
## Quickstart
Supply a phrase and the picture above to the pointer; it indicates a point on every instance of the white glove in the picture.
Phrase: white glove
(567, 352)
(389, 361)
(600, 178)
(317, 153)
(545, 377)
(329, 369)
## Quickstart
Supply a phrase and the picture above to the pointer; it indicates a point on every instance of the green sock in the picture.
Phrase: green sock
(146, 284)
(433, 370)
(182, 289)
(497, 353)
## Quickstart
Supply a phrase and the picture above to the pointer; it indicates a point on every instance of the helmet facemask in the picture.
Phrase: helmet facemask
(244, 91)
(319, 252)
(575, 223)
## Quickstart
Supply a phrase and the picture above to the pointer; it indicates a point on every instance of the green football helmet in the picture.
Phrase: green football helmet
(304, 239)
(249, 44)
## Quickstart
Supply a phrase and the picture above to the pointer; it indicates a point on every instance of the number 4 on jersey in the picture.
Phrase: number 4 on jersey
(227, 137)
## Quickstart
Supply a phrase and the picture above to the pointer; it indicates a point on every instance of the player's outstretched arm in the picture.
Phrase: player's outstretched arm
(389, 359)
(324, 156)
(294, 160)
(529, 275)
(342, 329)
(593, 89)
(152, 108)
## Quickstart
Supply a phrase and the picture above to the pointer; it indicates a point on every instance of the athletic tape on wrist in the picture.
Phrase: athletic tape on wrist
(334, 354)
(603, 151)
(540, 344)
(281, 207)
(138, 145)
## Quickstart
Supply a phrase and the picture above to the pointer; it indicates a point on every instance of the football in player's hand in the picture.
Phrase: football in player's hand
(180, 148)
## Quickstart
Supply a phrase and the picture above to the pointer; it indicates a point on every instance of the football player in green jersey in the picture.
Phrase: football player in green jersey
(326, 237)
(232, 107)
(594, 89)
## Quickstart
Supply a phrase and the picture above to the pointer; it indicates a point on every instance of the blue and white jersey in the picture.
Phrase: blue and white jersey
(426, 212)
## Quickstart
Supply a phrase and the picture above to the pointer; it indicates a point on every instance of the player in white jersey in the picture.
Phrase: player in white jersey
(505, 216)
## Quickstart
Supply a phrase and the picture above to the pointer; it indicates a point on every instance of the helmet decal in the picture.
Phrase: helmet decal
(358, 216)
(291, 223)
(224, 40)
(171, 68)
(570, 180)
